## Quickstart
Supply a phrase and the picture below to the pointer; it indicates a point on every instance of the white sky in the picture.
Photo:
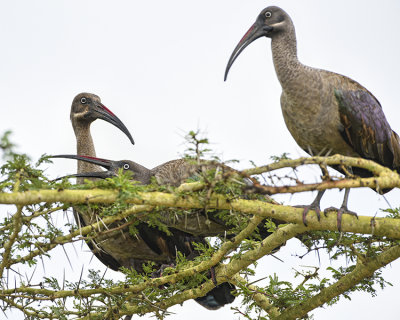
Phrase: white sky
(159, 66)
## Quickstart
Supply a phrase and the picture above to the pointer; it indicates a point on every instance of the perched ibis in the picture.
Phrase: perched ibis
(85, 109)
(132, 250)
(324, 111)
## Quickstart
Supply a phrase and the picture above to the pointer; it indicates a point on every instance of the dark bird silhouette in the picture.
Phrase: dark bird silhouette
(163, 247)
(324, 111)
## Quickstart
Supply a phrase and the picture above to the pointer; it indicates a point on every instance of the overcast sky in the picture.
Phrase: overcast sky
(159, 66)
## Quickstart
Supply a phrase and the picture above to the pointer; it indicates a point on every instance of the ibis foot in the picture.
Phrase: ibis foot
(313, 206)
(340, 212)
(307, 208)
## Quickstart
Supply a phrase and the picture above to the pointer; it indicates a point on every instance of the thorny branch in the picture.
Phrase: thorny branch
(364, 224)
(200, 195)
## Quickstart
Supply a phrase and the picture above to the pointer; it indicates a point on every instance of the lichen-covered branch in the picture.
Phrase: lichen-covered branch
(17, 225)
(45, 247)
(9, 244)
(38, 213)
(364, 224)
(224, 272)
(259, 297)
(244, 207)
(336, 159)
(190, 271)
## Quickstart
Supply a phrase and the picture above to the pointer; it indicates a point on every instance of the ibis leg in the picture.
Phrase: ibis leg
(315, 205)
(343, 209)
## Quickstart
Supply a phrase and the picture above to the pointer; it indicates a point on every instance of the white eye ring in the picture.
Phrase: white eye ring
(126, 166)
(83, 100)
(268, 14)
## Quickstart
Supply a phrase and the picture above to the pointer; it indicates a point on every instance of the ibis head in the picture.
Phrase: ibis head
(271, 22)
(87, 107)
(139, 173)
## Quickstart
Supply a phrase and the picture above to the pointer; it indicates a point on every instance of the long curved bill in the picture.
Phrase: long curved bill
(257, 30)
(105, 114)
(107, 164)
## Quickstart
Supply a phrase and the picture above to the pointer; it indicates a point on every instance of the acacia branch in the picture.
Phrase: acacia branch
(179, 298)
(190, 271)
(385, 182)
(148, 201)
(366, 225)
(224, 272)
(336, 159)
(384, 177)
(45, 247)
(17, 225)
(17, 217)
(363, 269)
(259, 297)
(27, 219)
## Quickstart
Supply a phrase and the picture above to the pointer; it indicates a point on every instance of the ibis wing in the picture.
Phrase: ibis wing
(103, 256)
(365, 128)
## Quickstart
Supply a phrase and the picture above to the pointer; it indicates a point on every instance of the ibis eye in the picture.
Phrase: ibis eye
(268, 14)
(83, 100)
(126, 166)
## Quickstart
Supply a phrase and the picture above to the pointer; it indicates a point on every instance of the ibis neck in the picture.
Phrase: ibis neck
(284, 53)
(84, 147)
(141, 173)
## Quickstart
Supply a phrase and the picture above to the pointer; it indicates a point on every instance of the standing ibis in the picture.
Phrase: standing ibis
(163, 247)
(324, 111)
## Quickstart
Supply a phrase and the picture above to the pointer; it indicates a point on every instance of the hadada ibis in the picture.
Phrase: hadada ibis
(172, 173)
(85, 109)
(163, 247)
(324, 111)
